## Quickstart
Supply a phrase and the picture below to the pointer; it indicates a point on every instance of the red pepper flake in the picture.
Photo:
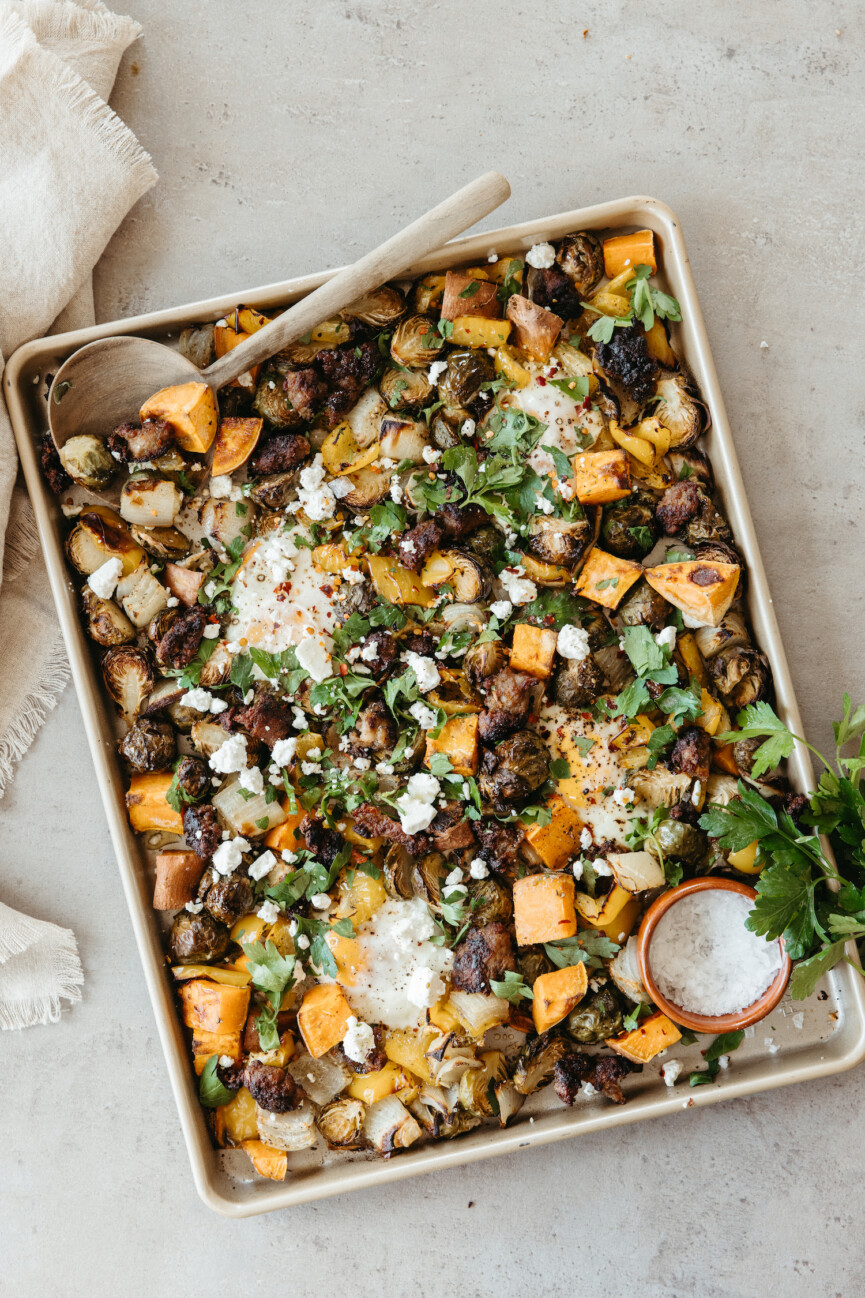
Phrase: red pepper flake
(343, 670)
(541, 381)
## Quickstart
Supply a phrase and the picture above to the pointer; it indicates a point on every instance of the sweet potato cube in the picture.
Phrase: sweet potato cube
(477, 331)
(286, 836)
(267, 1161)
(702, 588)
(191, 410)
(323, 1018)
(533, 649)
(214, 1007)
(544, 908)
(535, 329)
(467, 295)
(557, 842)
(597, 911)
(601, 477)
(556, 993)
(147, 807)
(207, 1044)
(625, 250)
(647, 1039)
(225, 339)
(183, 583)
(236, 439)
(177, 876)
(459, 741)
(606, 579)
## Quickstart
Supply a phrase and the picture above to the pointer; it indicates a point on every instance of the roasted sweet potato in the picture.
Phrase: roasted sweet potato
(286, 837)
(601, 477)
(177, 876)
(267, 1161)
(647, 1039)
(625, 250)
(556, 993)
(468, 295)
(606, 579)
(544, 908)
(323, 1018)
(236, 439)
(146, 804)
(191, 410)
(207, 1044)
(535, 328)
(702, 588)
(225, 339)
(533, 649)
(214, 1007)
(557, 842)
(459, 741)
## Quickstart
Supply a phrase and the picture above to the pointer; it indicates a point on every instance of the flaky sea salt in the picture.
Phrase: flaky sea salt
(705, 960)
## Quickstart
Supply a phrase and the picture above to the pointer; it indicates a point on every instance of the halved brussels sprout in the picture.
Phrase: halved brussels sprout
(485, 542)
(397, 873)
(597, 1018)
(106, 624)
(559, 540)
(645, 607)
(445, 427)
(578, 683)
(276, 490)
(679, 410)
(660, 787)
(382, 307)
(405, 389)
(678, 839)
(533, 962)
(161, 542)
(467, 369)
(427, 877)
(744, 751)
(341, 1123)
(491, 901)
(514, 770)
(629, 528)
(742, 675)
(731, 633)
(537, 1061)
(691, 465)
(148, 746)
(416, 342)
(197, 939)
(88, 462)
(581, 257)
(469, 578)
(129, 677)
(483, 661)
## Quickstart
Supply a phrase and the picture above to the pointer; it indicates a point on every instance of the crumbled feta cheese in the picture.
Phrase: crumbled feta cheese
(302, 941)
(541, 256)
(436, 370)
(416, 806)
(494, 256)
(395, 489)
(696, 793)
(311, 768)
(197, 698)
(588, 1090)
(104, 579)
(467, 429)
(217, 706)
(478, 869)
(670, 1072)
(585, 838)
(384, 768)
(577, 869)
(194, 907)
(314, 658)
(622, 797)
(229, 855)
(362, 763)
(425, 670)
(667, 638)
(340, 487)
(299, 722)
(252, 780)
(601, 869)
(268, 911)
(262, 865)
(518, 589)
(424, 716)
(320, 900)
(431, 455)
(501, 608)
(455, 877)
(220, 487)
(425, 987)
(211, 631)
(172, 601)
(573, 643)
(283, 752)
(385, 462)
(358, 1040)
(289, 858)
(226, 1061)
(724, 1061)
(230, 756)
(544, 505)
(353, 576)
(369, 652)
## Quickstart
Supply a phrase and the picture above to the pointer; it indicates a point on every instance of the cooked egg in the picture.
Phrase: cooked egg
(395, 973)
(565, 418)
(280, 598)
(591, 772)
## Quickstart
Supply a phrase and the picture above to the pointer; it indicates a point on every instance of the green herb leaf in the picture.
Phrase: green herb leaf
(725, 1044)
(512, 988)
(808, 973)
(211, 1091)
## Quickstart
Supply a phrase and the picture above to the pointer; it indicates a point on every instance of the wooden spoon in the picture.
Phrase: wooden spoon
(108, 381)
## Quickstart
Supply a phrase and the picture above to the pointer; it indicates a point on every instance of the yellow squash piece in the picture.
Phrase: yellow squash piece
(598, 911)
(323, 1018)
(556, 993)
(745, 860)
(361, 898)
(371, 1087)
(147, 807)
(702, 588)
(545, 574)
(267, 1161)
(399, 585)
(659, 347)
(713, 715)
(686, 647)
(533, 649)
(506, 363)
(459, 741)
(638, 447)
(231, 977)
(407, 1048)
(191, 410)
(647, 1039)
(544, 908)
(341, 454)
(635, 734)
(620, 927)
(477, 331)
(606, 579)
(557, 842)
(601, 477)
(236, 1121)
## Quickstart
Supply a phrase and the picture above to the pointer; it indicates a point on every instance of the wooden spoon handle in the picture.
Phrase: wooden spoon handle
(386, 262)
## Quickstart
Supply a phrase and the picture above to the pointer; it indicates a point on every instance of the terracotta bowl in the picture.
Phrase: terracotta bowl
(705, 1022)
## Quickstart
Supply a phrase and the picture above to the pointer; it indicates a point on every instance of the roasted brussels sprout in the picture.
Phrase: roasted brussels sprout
(129, 677)
(368, 487)
(193, 779)
(514, 770)
(474, 1090)
(88, 462)
(482, 661)
(629, 528)
(537, 1059)
(468, 576)
(679, 410)
(598, 1017)
(106, 624)
(491, 902)
(645, 607)
(148, 746)
(461, 382)
(382, 307)
(272, 401)
(691, 465)
(577, 684)
(197, 345)
(274, 491)
(445, 428)
(427, 876)
(742, 675)
(161, 542)
(660, 787)
(558, 540)
(581, 257)
(229, 898)
(708, 526)
(397, 873)
(405, 389)
(744, 751)
(532, 963)
(485, 542)
(416, 342)
(732, 633)
(341, 1123)
(679, 840)
(197, 939)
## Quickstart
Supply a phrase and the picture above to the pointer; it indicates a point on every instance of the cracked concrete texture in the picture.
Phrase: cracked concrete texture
(291, 137)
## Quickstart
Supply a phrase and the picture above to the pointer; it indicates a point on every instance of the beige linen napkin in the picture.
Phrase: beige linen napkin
(70, 172)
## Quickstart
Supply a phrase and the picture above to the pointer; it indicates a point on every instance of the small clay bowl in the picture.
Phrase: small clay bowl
(705, 1022)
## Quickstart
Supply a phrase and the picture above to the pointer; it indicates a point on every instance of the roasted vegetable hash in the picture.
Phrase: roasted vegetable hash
(420, 641)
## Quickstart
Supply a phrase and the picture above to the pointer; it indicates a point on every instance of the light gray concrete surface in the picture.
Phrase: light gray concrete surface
(292, 136)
